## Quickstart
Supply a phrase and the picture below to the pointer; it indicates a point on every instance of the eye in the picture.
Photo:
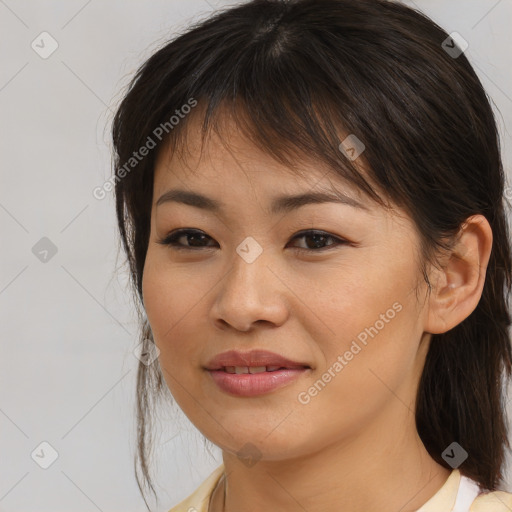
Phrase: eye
(318, 239)
(196, 240)
(195, 236)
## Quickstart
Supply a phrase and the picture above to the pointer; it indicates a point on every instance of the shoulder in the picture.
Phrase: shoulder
(495, 501)
(199, 499)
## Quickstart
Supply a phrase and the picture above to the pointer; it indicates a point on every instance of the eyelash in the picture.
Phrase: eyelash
(171, 240)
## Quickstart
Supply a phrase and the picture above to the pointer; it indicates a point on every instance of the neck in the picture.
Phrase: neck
(374, 470)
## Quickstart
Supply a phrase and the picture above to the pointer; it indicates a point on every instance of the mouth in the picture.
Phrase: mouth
(255, 361)
(257, 369)
(253, 373)
(253, 381)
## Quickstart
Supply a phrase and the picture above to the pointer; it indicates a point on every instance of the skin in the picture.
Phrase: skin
(354, 446)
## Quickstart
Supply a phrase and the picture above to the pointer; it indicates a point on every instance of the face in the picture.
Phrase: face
(340, 298)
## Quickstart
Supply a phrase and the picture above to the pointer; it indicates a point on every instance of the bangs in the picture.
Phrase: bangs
(298, 140)
(295, 126)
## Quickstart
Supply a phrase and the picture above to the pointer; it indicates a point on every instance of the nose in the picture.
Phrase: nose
(250, 293)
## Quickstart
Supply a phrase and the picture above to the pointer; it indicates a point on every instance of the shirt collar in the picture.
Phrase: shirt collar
(444, 499)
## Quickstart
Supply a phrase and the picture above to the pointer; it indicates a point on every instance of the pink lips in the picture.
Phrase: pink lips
(252, 358)
(253, 384)
(248, 384)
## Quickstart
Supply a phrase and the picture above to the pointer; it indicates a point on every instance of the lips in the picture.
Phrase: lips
(254, 359)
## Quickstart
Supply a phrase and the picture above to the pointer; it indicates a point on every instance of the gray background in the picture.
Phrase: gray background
(67, 326)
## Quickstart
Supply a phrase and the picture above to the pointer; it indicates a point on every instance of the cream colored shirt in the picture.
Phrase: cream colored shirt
(458, 494)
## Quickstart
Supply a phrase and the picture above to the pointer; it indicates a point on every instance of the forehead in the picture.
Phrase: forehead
(234, 178)
(228, 160)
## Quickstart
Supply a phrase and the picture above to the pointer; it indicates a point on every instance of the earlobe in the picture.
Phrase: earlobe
(458, 284)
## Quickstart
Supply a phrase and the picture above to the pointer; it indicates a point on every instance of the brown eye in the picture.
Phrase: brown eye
(195, 238)
(316, 240)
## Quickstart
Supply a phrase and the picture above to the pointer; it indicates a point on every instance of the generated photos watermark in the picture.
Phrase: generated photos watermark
(158, 133)
(304, 397)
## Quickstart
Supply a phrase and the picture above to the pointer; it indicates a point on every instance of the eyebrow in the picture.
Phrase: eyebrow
(280, 204)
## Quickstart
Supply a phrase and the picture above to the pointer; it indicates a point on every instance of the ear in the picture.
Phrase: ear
(457, 286)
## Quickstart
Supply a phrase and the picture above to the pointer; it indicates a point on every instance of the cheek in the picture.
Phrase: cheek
(353, 297)
(369, 367)
(171, 303)
(373, 323)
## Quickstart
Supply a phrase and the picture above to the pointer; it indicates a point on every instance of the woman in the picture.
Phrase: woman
(310, 195)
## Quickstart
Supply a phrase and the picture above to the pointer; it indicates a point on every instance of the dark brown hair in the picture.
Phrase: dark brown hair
(293, 74)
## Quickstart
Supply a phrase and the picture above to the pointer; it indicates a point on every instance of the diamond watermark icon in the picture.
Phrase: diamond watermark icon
(44, 455)
(44, 250)
(44, 45)
(249, 454)
(146, 352)
(455, 455)
(352, 147)
(454, 45)
(249, 249)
